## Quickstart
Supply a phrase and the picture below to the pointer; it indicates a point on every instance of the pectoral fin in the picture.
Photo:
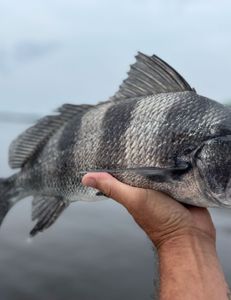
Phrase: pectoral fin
(152, 173)
(46, 210)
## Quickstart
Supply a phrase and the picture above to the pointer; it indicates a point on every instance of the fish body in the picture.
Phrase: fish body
(156, 132)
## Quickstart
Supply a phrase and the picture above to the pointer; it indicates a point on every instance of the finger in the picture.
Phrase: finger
(112, 188)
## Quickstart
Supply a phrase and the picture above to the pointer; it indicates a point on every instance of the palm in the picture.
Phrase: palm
(158, 214)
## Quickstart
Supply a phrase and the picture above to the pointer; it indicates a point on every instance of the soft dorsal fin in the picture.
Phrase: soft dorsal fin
(150, 75)
(35, 137)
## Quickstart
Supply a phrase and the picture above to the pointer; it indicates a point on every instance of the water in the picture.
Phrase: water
(94, 250)
(52, 52)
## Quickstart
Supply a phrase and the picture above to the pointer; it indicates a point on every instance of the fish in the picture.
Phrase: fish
(156, 133)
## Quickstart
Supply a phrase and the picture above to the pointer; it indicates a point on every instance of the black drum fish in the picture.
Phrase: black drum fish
(156, 132)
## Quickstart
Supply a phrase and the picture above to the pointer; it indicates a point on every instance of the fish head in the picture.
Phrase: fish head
(213, 166)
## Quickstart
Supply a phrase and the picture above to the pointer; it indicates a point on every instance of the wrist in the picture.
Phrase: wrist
(189, 260)
(183, 238)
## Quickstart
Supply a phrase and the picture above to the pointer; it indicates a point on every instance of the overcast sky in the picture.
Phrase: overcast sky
(54, 51)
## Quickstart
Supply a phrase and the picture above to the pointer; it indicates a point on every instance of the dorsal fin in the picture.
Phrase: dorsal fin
(35, 137)
(150, 75)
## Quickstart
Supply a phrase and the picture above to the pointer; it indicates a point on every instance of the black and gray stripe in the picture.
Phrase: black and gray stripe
(116, 122)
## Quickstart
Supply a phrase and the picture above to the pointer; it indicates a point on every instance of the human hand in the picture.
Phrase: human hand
(160, 216)
(183, 235)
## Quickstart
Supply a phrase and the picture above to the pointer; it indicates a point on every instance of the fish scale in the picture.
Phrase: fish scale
(156, 132)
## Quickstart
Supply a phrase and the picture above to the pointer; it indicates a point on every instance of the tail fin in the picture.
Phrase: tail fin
(9, 195)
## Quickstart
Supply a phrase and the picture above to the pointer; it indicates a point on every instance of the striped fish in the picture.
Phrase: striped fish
(156, 132)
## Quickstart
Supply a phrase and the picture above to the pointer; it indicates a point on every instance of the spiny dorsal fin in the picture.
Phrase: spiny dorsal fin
(46, 210)
(35, 137)
(150, 75)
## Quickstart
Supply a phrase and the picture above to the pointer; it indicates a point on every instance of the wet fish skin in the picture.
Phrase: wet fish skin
(156, 132)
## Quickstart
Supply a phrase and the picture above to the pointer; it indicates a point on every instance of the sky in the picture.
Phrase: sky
(53, 51)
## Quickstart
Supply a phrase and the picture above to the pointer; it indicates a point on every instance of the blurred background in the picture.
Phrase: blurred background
(52, 52)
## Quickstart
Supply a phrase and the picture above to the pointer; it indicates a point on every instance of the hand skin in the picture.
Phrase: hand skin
(184, 236)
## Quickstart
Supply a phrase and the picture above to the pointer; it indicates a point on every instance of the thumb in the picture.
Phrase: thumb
(156, 213)
(112, 188)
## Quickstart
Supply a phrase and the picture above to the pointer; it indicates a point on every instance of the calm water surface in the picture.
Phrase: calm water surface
(94, 250)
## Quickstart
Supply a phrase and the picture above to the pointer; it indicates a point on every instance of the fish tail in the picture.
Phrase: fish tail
(9, 195)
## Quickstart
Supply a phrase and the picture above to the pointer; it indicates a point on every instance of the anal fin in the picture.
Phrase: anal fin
(46, 210)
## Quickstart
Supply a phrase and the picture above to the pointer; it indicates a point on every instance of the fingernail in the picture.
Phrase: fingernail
(90, 182)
